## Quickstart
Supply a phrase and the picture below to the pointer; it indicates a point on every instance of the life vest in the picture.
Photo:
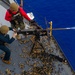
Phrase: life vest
(17, 17)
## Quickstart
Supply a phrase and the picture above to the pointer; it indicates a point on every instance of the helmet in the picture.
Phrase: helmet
(14, 7)
(4, 29)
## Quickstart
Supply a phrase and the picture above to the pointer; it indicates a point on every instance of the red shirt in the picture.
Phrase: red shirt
(8, 15)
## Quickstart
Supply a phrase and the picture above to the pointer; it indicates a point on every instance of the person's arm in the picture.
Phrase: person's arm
(8, 16)
(24, 14)
(2, 38)
(6, 40)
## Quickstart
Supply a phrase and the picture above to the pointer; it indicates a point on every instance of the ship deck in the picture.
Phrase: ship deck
(37, 62)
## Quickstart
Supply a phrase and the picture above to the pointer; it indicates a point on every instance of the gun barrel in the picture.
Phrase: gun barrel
(32, 31)
(59, 29)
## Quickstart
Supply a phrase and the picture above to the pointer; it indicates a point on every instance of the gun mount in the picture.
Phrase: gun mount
(37, 33)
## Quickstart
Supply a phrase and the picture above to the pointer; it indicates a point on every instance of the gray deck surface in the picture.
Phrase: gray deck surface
(24, 63)
(22, 60)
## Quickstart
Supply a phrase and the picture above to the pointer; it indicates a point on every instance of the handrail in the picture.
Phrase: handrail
(6, 2)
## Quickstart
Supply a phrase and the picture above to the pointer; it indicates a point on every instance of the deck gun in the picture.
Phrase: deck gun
(38, 33)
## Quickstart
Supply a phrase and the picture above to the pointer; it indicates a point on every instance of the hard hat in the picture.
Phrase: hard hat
(4, 29)
(14, 7)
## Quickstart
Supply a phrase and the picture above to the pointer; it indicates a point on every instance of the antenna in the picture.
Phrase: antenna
(46, 22)
(21, 3)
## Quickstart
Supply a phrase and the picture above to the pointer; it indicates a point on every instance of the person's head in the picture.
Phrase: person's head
(14, 7)
(4, 29)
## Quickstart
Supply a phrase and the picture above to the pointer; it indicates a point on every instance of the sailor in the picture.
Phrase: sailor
(15, 15)
(4, 38)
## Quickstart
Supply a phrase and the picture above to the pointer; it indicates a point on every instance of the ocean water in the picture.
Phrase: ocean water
(62, 14)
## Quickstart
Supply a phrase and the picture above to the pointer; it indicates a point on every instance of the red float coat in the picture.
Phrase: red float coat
(8, 15)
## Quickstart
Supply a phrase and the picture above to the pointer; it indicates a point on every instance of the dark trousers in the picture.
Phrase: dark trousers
(6, 50)
(18, 24)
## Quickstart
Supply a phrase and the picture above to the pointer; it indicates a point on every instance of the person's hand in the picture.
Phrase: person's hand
(14, 35)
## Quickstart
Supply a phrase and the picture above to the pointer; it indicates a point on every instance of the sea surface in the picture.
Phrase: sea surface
(62, 14)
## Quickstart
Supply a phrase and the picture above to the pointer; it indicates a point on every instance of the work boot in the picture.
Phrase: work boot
(6, 61)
